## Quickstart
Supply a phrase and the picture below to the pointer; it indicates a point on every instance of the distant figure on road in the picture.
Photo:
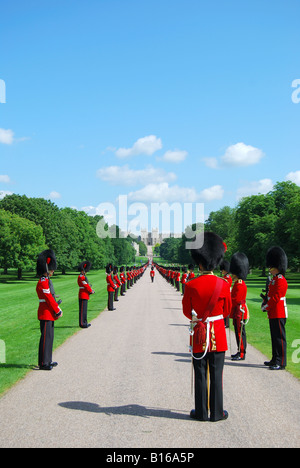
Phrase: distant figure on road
(152, 274)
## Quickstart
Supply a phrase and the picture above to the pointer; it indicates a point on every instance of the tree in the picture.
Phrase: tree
(20, 242)
(143, 248)
(223, 223)
(256, 221)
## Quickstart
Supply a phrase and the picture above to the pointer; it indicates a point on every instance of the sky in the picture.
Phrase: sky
(175, 101)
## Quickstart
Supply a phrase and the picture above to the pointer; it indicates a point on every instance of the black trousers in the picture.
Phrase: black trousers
(215, 397)
(83, 306)
(278, 338)
(110, 304)
(46, 342)
(237, 328)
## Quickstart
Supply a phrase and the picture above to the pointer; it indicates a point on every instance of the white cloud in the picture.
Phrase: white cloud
(117, 175)
(147, 145)
(164, 193)
(294, 177)
(241, 155)
(6, 136)
(175, 156)
(213, 193)
(3, 194)
(54, 195)
(5, 179)
(238, 155)
(262, 186)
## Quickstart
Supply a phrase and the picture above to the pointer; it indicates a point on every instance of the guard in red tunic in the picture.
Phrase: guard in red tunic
(111, 287)
(117, 282)
(49, 310)
(85, 291)
(152, 274)
(183, 279)
(239, 268)
(224, 267)
(191, 274)
(207, 302)
(123, 281)
(177, 278)
(276, 306)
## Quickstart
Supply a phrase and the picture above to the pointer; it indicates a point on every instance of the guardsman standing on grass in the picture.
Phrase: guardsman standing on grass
(239, 268)
(277, 263)
(111, 287)
(85, 291)
(49, 310)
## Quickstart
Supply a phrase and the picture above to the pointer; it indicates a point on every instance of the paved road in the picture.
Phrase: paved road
(126, 383)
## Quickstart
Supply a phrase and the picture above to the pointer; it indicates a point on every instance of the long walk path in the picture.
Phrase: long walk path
(126, 382)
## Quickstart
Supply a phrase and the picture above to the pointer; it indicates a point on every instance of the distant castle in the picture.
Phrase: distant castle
(154, 237)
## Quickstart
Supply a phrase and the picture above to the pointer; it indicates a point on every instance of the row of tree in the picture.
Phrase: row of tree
(254, 225)
(30, 225)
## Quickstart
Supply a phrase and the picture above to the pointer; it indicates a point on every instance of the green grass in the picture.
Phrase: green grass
(19, 327)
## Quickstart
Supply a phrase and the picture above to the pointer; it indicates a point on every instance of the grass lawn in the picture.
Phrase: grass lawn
(19, 327)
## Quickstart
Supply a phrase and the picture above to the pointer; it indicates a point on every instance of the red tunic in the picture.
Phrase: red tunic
(122, 276)
(228, 278)
(110, 284)
(117, 281)
(276, 306)
(48, 308)
(239, 308)
(183, 278)
(152, 273)
(197, 297)
(84, 288)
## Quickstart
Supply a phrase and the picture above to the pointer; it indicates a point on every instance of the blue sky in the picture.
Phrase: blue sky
(159, 100)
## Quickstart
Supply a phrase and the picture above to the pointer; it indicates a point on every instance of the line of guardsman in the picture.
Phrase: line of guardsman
(49, 310)
(235, 273)
(121, 280)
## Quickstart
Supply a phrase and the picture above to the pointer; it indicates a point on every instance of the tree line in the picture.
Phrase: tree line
(252, 227)
(30, 225)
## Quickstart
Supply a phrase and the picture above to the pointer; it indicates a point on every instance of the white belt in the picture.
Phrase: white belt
(42, 300)
(213, 319)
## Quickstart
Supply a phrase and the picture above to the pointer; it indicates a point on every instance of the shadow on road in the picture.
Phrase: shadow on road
(128, 410)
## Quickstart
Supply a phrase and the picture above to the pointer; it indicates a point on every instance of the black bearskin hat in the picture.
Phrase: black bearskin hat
(86, 266)
(211, 253)
(46, 261)
(225, 265)
(239, 265)
(108, 268)
(276, 258)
